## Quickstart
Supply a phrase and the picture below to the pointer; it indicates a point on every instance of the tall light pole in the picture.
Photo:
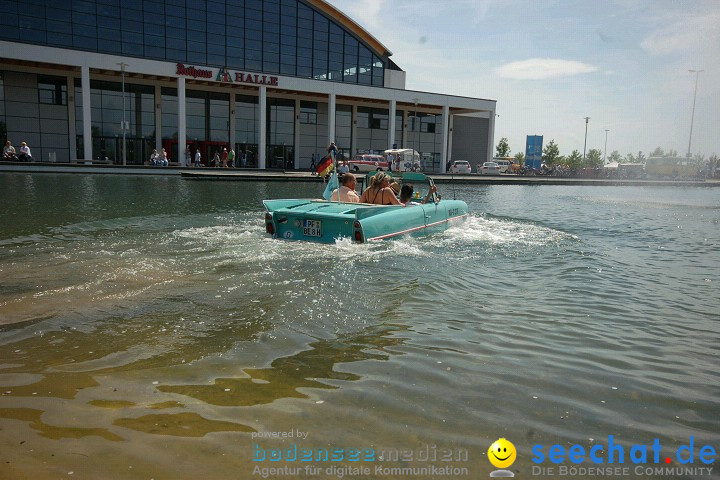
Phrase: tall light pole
(122, 74)
(585, 147)
(417, 133)
(415, 127)
(605, 155)
(692, 118)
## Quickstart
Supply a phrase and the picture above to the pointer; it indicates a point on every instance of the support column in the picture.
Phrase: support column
(233, 125)
(450, 139)
(445, 135)
(72, 141)
(391, 123)
(491, 137)
(296, 140)
(182, 120)
(158, 125)
(353, 131)
(262, 128)
(87, 114)
(331, 118)
(404, 129)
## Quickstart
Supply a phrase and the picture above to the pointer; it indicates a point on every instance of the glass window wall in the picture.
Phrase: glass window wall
(343, 129)
(3, 124)
(287, 37)
(246, 119)
(372, 129)
(107, 113)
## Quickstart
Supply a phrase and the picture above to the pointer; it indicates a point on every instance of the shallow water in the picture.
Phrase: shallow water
(150, 328)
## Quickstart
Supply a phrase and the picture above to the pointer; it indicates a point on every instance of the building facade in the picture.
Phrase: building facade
(276, 80)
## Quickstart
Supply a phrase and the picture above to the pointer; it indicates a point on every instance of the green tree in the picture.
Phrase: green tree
(551, 153)
(672, 153)
(640, 157)
(520, 158)
(574, 160)
(615, 156)
(713, 164)
(503, 148)
(630, 158)
(658, 152)
(593, 159)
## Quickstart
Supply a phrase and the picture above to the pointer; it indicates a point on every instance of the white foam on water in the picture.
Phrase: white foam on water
(495, 231)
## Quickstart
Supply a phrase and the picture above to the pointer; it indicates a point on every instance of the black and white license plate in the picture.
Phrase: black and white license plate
(312, 228)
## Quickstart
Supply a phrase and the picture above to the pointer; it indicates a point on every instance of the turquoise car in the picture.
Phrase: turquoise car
(323, 221)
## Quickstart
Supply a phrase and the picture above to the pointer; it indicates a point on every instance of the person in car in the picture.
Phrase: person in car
(379, 191)
(346, 190)
(406, 194)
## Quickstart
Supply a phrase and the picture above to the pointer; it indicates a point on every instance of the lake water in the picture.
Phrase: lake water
(149, 328)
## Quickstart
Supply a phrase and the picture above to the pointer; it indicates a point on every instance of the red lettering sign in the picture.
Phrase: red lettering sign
(192, 72)
(225, 76)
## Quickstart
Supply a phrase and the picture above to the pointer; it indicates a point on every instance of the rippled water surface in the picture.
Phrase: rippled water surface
(149, 327)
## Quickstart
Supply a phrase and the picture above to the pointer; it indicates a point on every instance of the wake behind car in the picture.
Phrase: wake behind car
(490, 168)
(460, 166)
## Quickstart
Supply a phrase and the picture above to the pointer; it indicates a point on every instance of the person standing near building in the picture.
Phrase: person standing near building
(332, 150)
(231, 158)
(225, 158)
(312, 165)
(198, 156)
(25, 155)
(243, 159)
(188, 156)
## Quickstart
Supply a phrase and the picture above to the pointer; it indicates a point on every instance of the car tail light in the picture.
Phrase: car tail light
(358, 232)
(269, 227)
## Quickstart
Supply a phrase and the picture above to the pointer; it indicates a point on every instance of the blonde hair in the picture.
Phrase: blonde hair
(377, 179)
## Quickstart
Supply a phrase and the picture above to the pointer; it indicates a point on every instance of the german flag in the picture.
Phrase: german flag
(325, 167)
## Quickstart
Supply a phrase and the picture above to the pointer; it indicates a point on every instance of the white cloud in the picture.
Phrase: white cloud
(366, 13)
(543, 68)
(683, 35)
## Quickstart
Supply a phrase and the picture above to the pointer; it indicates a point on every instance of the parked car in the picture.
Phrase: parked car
(460, 166)
(368, 163)
(490, 168)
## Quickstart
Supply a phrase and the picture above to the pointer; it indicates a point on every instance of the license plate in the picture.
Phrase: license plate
(312, 228)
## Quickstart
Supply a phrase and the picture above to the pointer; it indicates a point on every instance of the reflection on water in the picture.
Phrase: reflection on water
(146, 309)
(287, 374)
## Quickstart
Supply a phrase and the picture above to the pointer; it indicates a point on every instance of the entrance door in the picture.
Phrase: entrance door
(281, 157)
(208, 149)
(250, 149)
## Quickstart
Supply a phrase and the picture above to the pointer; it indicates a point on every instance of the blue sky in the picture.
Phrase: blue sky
(549, 64)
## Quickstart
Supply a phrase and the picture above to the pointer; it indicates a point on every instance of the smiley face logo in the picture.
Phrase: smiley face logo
(502, 453)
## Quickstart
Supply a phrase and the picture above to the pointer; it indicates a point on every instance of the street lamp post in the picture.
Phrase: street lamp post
(123, 126)
(415, 127)
(692, 118)
(417, 132)
(585, 146)
(605, 155)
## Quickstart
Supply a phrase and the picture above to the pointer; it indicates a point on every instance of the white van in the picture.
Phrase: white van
(404, 159)
(504, 164)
